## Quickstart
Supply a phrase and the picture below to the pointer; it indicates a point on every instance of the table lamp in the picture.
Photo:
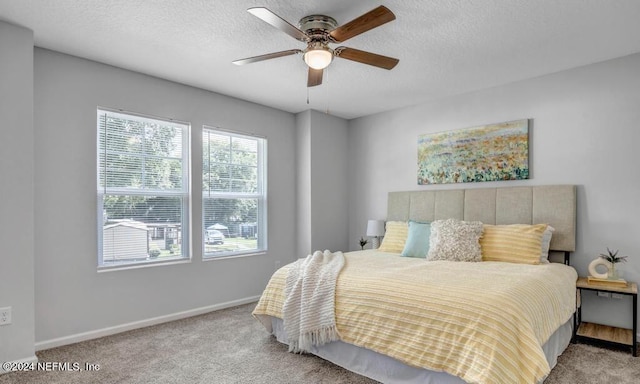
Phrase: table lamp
(375, 229)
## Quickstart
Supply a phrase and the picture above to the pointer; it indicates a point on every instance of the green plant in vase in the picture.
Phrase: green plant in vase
(613, 259)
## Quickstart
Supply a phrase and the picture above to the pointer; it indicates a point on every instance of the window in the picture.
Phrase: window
(143, 189)
(234, 193)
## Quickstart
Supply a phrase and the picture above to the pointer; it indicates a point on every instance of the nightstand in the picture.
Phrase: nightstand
(605, 333)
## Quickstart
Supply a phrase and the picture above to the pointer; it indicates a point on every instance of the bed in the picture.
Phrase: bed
(406, 320)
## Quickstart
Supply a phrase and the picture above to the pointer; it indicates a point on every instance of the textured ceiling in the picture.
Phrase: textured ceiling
(445, 47)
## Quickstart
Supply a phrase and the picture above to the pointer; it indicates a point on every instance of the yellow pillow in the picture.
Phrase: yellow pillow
(395, 236)
(516, 243)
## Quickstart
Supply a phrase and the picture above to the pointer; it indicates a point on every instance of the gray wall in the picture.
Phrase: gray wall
(326, 174)
(16, 192)
(71, 296)
(303, 183)
(584, 131)
(322, 183)
(329, 182)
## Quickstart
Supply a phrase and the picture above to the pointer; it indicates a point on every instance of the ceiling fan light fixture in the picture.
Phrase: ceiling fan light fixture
(318, 58)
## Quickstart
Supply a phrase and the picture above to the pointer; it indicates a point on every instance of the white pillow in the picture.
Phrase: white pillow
(455, 240)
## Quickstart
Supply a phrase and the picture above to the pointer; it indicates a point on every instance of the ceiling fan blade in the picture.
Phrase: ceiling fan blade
(366, 57)
(369, 20)
(315, 77)
(278, 22)
(268, 56)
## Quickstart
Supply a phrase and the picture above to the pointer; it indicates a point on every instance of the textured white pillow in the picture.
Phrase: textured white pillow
(455, 240)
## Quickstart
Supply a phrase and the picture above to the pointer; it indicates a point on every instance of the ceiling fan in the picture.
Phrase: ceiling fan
(318, 31)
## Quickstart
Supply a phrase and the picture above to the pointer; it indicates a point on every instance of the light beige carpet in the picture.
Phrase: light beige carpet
(230, 346)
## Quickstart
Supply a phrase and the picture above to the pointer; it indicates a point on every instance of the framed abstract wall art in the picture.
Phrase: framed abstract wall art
(485, 153)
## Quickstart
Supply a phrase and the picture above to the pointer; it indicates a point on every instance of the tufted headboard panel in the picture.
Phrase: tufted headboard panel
(551, 204)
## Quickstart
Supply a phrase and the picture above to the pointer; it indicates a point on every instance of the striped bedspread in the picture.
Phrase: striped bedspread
(483, 322)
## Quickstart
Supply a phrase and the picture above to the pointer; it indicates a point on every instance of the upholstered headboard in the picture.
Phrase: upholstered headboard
(551, 204)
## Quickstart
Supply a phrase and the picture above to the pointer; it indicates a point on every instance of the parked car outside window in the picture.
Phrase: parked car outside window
(213, 236)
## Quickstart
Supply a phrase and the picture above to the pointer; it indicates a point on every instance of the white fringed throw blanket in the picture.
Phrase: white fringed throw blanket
(309, 307)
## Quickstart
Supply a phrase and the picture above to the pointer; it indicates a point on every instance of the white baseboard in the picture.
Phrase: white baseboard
(27, 360)
(47, 344)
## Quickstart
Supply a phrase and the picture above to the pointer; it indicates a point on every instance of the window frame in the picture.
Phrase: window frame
(184, 193)
(260, 194)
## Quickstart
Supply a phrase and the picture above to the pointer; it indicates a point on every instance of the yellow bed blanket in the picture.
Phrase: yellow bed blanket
(483, 322)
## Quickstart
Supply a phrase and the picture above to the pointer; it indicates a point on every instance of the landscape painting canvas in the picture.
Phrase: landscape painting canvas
(485, 153)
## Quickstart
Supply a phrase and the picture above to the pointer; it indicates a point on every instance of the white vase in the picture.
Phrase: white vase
(593, 268)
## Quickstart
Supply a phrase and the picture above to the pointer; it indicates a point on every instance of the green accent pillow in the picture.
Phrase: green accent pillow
(417, 244)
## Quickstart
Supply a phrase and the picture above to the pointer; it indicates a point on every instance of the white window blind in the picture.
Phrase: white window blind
(143, 189)
(234, 193)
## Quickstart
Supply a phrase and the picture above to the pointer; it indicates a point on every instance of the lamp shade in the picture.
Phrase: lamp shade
(318, 58)
(375, 228)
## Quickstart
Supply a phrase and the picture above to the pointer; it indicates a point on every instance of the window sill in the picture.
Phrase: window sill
(145, 264)
(224, 257)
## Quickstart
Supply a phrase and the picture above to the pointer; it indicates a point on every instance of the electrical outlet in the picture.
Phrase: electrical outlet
(5, 315)
(603, 294)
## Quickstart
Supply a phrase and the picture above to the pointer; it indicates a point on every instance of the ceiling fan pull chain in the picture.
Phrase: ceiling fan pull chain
(307, 95)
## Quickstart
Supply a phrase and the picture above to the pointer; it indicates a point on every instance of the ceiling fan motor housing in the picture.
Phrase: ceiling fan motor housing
(317, 27)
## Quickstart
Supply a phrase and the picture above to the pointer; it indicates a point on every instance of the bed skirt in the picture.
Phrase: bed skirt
(391, 371)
